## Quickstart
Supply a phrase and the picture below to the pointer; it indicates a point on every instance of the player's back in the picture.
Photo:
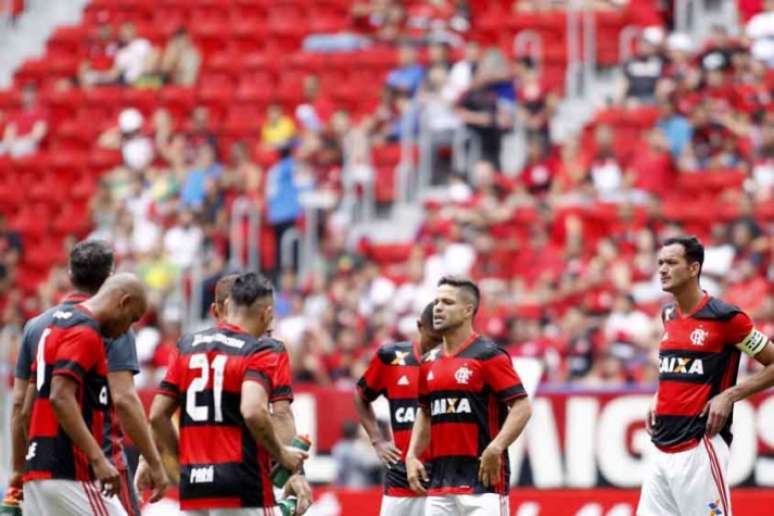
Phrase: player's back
(71, 346)
(221, 465)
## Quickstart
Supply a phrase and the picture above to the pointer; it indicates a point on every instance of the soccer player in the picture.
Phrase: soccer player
(281, 393)
(72, 405)
(221, 379)
(472, 406)
(394, 373)
(90, 263)
(690, 420)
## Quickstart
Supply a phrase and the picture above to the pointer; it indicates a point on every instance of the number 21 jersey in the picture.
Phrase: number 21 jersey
(221, 465)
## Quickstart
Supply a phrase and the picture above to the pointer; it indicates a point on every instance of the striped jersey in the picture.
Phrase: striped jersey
(698, 358)
(221, 464)
(121, 356)
(467, 395)
(281, 389)
(394, 373)
(72, 347)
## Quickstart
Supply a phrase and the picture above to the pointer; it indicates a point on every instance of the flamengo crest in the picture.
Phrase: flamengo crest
(463, 374)
(698, 336)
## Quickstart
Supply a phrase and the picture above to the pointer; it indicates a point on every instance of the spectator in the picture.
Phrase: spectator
(357, 466)
(199, 132)
(461, 73)
(243, 175)
(536, 104)
(27, 128)
(100, 54)
(676, 127)
(183, 241)
(137, 148)
(641, 74)
(408, 75)
(315, 111)
(134, 58)
(763, 164)
(283, 199)
(206, 169)
(180, 60)
(650, 169)
(719, 50)
(539, 171)
(278, 129)
(605, 169)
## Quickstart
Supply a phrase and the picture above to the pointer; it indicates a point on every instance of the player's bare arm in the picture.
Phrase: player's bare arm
(298, 485)
(132, 416)
(518, 416)
(719, 408)
(18, 432)
(68, 413)
(383, 445)
(26, 411)
(283, 421)
(164, 434)
(420, 440)
(254, 409)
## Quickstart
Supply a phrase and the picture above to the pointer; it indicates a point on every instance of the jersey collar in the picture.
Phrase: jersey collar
(699, 306)
(230, 327)
(465, 345)
(73, 298)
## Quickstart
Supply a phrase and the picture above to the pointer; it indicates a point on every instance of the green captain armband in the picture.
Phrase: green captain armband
(753, 343)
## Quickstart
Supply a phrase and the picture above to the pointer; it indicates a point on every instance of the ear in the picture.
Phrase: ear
(214, 311)
(419, 325)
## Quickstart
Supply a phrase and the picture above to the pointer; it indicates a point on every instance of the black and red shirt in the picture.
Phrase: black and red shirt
(698, 358)
(281, 389)
(394, 373)
(71, 346)
(221, 464)
(467, 395)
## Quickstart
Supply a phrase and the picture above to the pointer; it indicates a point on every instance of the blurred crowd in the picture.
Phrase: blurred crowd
(564, 250)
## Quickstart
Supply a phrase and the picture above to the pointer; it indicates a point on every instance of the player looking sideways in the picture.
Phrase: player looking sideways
(690, 420)
(72, 405)
(394, 373)
(221, 378)
(281, 395)
(472, 406)
(90, 264)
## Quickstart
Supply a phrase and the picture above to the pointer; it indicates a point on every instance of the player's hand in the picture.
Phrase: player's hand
(158, 482)
(717, 411)
(107, 475)
(650, 418)
(292, 458)
(416, 474)
(15, 479)
(142, 479)
(491, 462)
(387, 452)
(298, 485)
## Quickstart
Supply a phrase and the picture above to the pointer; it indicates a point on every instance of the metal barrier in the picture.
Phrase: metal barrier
(687, 13)
(242, 209)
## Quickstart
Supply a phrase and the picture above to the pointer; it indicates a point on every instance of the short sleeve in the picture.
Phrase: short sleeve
(502, 378)
(423, 393)
(78, 351)
(122, 354)
(260, 368)
(170, 385)
(281, 389)
(369, 386)
(26, 358)
(742, 334)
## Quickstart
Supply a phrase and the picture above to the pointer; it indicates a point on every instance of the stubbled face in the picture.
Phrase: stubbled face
(451, 308)
(673, 269)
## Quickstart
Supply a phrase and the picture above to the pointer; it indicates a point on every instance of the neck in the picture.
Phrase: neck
(247, 324)
(689, 298)
(454, 338)
(96, 307)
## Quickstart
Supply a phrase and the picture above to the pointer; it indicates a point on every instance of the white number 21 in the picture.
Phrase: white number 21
(199, 384)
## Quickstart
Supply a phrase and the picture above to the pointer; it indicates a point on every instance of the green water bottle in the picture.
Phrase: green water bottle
(288, 506)
(280, 475)
(11, 505)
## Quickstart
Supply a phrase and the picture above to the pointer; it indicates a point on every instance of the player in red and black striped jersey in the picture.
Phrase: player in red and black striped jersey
(394, 373)
(472, 406)
(73, 406)
(690, 420)
(221, 380)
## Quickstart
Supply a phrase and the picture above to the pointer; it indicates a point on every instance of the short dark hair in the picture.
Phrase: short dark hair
(91, 262)
(249, 287)
(426, 319)
(465, 284)
(223, 288)
(694, 251)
